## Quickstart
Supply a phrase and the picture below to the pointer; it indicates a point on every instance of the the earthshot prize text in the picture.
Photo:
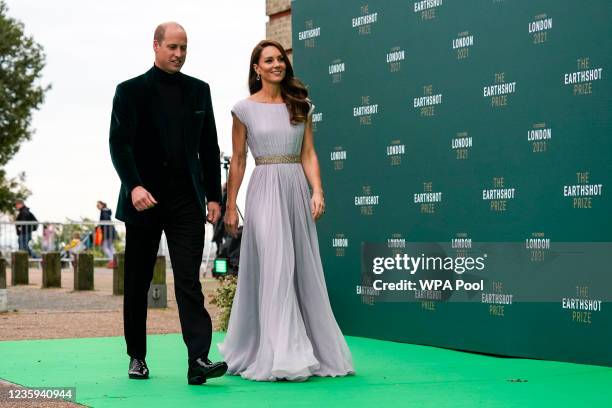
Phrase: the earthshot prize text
(407, 263)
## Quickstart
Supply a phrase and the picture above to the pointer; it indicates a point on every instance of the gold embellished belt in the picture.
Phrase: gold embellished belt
(280, 159)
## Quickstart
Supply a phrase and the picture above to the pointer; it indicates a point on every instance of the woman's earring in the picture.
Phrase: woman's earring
(258, 77)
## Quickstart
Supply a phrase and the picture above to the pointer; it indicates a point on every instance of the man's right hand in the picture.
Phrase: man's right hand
(142, 199)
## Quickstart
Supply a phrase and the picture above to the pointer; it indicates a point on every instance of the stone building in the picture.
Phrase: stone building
(278, 27)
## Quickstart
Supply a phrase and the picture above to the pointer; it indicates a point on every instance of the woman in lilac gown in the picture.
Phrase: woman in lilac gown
(281, 325)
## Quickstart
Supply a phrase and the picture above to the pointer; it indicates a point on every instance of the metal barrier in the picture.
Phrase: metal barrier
(71, 237)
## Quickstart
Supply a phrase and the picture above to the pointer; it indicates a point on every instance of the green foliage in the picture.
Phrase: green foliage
(21, 64)
(11, 189)
(224, 298)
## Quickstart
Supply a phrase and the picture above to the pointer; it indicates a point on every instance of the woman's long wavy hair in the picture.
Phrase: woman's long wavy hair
(293, 91)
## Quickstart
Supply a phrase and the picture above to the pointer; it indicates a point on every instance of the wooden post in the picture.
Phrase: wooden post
(118, 273)
(3, 291)
(2, 273)
(158, 291)
(84, 271)
(159, 273)
(51, 270)
(19, 268)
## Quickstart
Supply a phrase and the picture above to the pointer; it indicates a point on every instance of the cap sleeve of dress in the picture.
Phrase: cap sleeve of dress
(239, 110)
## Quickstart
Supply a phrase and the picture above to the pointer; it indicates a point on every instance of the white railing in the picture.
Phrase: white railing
(74, 236)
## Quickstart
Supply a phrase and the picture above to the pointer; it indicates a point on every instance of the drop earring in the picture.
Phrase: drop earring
(258, 77)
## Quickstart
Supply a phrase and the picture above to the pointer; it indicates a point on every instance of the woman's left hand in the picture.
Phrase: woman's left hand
(317, 205)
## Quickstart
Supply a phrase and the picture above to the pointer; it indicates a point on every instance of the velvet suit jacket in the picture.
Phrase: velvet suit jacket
(136, 144)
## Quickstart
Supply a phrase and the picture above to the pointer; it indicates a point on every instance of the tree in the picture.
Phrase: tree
(21, 64)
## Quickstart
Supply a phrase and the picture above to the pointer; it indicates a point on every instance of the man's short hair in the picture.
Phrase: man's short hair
(160, 31)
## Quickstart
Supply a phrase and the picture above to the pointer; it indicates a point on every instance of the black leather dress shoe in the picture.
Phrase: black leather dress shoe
(202, 368)
(138, 369)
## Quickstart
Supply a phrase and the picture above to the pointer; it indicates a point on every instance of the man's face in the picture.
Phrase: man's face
(171, 52)
(18, 206)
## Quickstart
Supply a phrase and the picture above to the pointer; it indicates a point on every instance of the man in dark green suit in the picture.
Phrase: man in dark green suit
(163, 144)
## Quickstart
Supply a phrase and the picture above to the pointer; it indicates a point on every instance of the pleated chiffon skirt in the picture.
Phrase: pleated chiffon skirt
(282, 325)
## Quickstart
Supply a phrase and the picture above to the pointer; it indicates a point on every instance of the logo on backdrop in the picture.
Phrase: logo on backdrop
(309, 34)
(317, 118)
(367, 291)
(340, 243)
(338, 157)
(496, 298)
(336, 69)
(499, 195)
(462, 244)
(582, 79)
(539, 136)
(367, 201)
(395, 151)
(396, 243)
(581, 306)
(461, 144)
(538, 246)
(539, 27)
(428, 199)
(394, 59)
(364, 22)
(499, 91)
(462, 44)
(427, 8)
(427, 103)
(366, 111)
(584, 192)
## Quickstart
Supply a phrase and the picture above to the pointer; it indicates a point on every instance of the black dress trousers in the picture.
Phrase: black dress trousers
(178, 214)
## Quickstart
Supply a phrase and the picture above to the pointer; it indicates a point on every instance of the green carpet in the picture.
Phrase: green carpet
(388, 375)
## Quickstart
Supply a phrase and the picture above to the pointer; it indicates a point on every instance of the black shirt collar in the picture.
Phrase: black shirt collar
(162, 76)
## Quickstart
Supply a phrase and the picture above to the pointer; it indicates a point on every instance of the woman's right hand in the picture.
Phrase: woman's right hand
(231, 221)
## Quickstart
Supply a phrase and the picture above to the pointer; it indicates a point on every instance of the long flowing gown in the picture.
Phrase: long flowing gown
(281, 325)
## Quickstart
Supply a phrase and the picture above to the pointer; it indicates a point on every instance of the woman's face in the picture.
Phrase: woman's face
(271, 66)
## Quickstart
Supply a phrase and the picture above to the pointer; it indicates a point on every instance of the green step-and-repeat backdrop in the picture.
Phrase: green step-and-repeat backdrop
(474, 134)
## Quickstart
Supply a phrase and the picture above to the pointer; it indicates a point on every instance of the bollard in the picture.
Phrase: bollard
(119, 273)
(84, 271)
(158, 291)
(51, 270)
(3, 291)
(19, 268)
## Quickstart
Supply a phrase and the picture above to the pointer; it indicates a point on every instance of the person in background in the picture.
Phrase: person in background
(24, 232)
(109, 233)
(48, 238)
(219, 229)
(74, 245)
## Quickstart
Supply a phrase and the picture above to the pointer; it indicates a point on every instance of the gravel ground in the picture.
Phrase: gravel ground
(36, 313)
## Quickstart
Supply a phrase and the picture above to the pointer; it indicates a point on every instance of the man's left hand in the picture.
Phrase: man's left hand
(214, 212)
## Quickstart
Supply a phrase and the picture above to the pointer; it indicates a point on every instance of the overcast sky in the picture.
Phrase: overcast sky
(91, 46)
